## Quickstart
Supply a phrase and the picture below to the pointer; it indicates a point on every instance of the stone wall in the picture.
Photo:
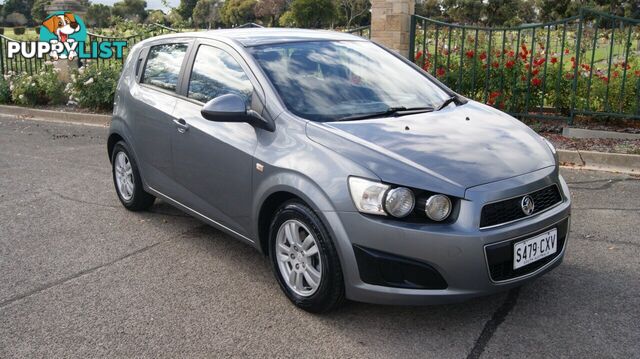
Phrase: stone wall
(390, 23)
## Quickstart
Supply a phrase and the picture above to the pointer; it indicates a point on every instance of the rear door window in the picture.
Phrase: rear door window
(163, 66)
(216, 73)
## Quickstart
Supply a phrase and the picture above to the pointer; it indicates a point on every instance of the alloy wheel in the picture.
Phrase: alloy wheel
(124, 176)
(298, 258)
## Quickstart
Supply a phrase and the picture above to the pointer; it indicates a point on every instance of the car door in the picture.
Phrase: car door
(213, 160)
(153, 100)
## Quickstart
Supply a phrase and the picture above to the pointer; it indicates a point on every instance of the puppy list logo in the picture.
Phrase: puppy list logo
(63, 35)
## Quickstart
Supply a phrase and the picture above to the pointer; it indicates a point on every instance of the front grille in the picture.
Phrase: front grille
(500, 255)
(511, 210)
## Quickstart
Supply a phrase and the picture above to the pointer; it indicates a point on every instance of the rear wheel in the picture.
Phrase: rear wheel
(304, 259)
(126, 178)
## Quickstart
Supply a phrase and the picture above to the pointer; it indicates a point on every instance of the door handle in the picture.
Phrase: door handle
(182, 125)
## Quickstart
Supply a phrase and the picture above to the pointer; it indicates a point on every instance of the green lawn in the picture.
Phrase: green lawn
(29, 35)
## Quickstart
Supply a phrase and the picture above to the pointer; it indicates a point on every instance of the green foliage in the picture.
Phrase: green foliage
(269, 11)
(351, 12)
(42, 88)
(524, 79)
(550, 10)
(287, 20)
(19, 30)
(16, 19)
(98, 15)
(186, 7)
(5, 92)
(38, 11)
(464, 11)
(313, 13)
(133, 10)
(11, 7)
(94, 86)
(206, 13)
(155, 17)
(176, 20)
(238, 12)
(516, 12)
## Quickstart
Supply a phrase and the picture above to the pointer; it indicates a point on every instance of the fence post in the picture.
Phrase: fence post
(391, 23)
(574, 87)
(2, 40)
(412, 38)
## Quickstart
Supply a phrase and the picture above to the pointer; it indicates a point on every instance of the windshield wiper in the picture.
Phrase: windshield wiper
(454, 98)
(391, 111)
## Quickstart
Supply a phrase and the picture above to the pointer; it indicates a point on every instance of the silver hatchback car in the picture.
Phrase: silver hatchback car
(359, 175)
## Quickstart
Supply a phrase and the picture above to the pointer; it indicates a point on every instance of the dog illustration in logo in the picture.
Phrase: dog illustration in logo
(62, 26)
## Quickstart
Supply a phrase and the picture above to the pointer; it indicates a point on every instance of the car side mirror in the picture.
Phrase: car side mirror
(233, 108)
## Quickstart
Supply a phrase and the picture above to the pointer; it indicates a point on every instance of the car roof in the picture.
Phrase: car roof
(261, 36)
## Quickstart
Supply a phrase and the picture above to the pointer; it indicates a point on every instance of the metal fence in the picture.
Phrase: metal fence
(150, 31)
(362, 31)
(587, 65)
(20, 64)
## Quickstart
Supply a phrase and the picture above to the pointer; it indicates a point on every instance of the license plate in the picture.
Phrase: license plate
(533, 249)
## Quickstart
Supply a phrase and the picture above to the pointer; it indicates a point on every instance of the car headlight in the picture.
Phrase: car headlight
(553, 149)
(368, 195)
(438, 207)
(399, 202)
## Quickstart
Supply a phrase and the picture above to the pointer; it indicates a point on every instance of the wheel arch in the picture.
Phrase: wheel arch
(111, 143)
(274, 191)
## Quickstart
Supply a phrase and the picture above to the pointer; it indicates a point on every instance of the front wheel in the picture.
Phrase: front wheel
(304, 259)
(126, 178)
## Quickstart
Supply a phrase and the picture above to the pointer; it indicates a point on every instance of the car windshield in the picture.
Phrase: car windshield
(333, 80)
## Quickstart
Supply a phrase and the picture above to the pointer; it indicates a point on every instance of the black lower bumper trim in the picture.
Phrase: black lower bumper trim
(500, 255)
(390, 270)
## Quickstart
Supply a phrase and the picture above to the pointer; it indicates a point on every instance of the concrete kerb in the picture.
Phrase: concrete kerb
(56, 116)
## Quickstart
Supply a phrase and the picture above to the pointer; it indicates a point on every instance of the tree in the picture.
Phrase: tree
(186, 8)
(313, 13)
(15, 19)
(17, 6)
(287, 19)
(353, 9)
(463, 11)
(175, 19)
(238, 12)
(38, 11)
(430, 8)
(133, 10)
(155, 17)
(98, 15)
(206, 13)
(269, 11)
(550, 10)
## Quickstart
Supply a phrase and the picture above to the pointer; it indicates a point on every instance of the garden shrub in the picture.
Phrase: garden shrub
(1, 30)
(94, 86)
(41, 88)
(5, 93)
(19, 30)
(37, 29)
(524, 78)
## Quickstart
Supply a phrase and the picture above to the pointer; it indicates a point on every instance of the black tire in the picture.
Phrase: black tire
(330, 292)
(140, 200)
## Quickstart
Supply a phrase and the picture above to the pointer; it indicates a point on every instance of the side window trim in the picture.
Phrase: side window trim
(141, 62)
(193, 50)
(181, 73)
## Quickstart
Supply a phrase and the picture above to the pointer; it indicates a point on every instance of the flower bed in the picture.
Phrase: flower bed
(91, 87)
(518, 75)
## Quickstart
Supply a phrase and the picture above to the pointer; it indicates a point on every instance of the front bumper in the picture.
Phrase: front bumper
(456, 251)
